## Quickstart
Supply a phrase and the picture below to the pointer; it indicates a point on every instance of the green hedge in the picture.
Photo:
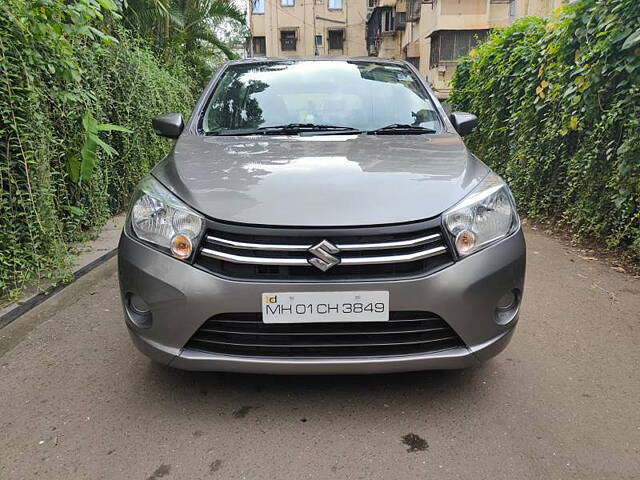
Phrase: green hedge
(559, 109)
(56, 67)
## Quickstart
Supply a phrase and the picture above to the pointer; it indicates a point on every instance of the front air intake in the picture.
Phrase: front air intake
(406, 333)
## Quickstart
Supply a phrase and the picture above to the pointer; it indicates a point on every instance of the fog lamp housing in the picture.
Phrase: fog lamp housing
(138, 311)
(507, 307)
(506, 301)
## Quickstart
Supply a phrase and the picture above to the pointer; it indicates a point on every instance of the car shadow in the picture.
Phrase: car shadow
(208, 402)
(444, 383)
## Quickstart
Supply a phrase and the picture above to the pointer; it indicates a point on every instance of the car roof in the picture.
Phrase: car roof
(321, 58)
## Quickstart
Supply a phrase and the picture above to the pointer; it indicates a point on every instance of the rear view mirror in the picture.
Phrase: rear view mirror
(169, 125)
(464, 123)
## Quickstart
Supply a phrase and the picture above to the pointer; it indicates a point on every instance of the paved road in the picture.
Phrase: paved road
(562, 402)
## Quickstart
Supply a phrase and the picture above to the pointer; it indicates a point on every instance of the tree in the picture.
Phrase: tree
(184, 28)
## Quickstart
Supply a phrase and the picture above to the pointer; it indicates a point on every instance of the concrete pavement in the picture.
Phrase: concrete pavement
(562, 402)
(85, 255)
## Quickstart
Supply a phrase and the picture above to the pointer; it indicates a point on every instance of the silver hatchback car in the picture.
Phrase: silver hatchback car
(320, 216)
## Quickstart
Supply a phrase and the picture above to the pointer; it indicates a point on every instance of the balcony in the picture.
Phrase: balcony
(412, 50)
(466, 15)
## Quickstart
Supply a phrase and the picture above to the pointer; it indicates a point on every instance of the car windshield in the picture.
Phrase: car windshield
(361, 95)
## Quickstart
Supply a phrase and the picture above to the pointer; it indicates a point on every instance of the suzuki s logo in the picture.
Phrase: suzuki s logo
(323, 258)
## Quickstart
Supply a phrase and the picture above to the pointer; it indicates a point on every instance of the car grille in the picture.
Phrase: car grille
(245, 334)
(367, 253)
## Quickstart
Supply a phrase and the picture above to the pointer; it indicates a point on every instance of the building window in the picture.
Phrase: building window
(335, 4)
(387, 23)
(449, 45)
(259, 45)
(257, 6)
(336, 39)
(286, 3)
(413, 9)
(318, 40)
(371, 3)
(288, 40)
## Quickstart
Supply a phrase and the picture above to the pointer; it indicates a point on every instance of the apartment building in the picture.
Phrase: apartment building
(284, 28)
(434, 34)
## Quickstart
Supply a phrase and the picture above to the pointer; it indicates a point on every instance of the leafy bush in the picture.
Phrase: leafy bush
(559, 109)
(60, 175)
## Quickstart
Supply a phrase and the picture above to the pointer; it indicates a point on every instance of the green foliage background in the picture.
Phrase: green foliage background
(559, 109)
(56, 64)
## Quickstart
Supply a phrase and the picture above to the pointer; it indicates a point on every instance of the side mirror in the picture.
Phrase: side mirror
(169, 125)
(464, 123)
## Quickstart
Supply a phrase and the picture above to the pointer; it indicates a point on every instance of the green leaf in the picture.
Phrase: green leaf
(103, 36)
(73, 166)
(632, 40)
(108, 127)
(89, 123)
(89, 159)
(108, 5)
(108, 149)
(73, 210)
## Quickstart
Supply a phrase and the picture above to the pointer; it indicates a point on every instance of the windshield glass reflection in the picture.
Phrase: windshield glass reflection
(361, 95)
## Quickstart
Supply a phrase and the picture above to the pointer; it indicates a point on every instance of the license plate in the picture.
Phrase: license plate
(318, 307)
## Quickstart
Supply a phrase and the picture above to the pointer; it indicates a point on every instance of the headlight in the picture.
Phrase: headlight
(159, 217)
(484, 217)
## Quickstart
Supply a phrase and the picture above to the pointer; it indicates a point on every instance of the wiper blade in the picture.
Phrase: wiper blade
(307, 127)
(289, 128)
(401, 128)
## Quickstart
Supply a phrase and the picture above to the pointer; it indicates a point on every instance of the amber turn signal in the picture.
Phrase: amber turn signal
(181, 246)
(465, 241)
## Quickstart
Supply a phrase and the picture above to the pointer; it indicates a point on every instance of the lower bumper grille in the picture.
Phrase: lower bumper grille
(245, 334)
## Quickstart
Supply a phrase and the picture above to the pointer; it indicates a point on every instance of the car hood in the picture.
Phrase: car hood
(342, 180)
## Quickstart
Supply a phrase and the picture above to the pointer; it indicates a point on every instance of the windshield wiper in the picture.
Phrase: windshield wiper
(401, 129)
(287, 129)
(306, 127)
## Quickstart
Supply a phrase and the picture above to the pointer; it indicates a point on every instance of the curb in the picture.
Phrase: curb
(37, 299)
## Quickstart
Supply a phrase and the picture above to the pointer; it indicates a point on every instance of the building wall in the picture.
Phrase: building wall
(541, 8)
(314, 17)
(310, 18)
(390, 46)
(454, 15)
(465, 15)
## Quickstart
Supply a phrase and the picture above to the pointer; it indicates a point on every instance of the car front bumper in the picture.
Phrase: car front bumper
(181, 298)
